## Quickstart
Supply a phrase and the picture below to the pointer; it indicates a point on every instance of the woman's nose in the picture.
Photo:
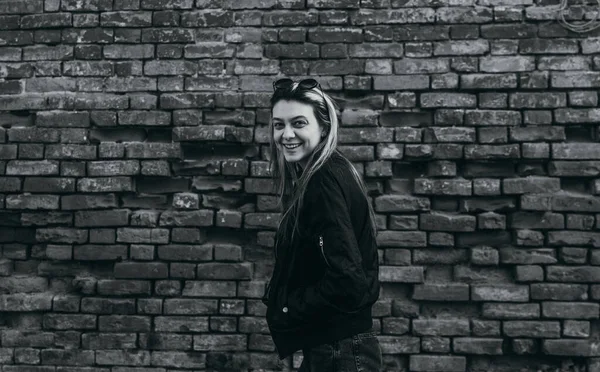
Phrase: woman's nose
(288, 132)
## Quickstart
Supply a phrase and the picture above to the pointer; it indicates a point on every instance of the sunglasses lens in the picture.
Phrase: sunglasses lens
(283, 83)
(308, 83)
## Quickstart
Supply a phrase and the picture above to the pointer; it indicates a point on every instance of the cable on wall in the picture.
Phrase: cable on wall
(561, 16)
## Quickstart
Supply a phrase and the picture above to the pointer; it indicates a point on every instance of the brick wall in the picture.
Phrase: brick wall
(137, 221)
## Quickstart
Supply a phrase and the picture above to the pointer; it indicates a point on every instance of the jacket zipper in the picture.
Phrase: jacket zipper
(323, 251)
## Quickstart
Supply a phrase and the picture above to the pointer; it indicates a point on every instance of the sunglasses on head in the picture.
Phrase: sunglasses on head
(306, 84)
(286, 83)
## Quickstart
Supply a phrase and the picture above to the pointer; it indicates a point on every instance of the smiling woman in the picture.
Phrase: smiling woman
(325, 279)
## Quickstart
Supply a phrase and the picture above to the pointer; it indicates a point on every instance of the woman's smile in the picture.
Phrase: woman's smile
(291, 146)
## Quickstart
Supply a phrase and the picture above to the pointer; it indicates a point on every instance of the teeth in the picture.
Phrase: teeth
(291, 146)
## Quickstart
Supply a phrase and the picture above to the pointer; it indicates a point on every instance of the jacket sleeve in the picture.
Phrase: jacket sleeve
(344, 286)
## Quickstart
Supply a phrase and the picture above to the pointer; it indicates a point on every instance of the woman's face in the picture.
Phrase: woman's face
(295, 130)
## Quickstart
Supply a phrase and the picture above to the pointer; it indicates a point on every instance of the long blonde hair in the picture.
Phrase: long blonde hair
(290, 183)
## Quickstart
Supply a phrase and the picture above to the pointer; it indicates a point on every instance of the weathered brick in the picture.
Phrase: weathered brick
(441, 292)
(531, 328)
(536, 134)
(69, 321)
(491, 221)
(105, 184)
(49, 184)
(575, 348)
(574, 168)
(433, 256)
(32, 167)
(534, 80)
(450, 134)
(536, 220)
(141, 235)
(570, 310)
(442, 187)
(511, 311)
(123, 323)
(179, 252)
(441, 168)
(401, 274)
(399, 344)
(577, 238)
(226, 218)
(22, 284)
(239, 271)
(484, 256)
(201, 217)
(535, 150)
(16, 7)
(433, 100)
(397, 326)
(32, 202)
(576, 151)
(583, 98)
(437, 363)
(576, 328)
(401, 238)
(537, 100)
(537, 117)
(61, 235)
(524, 346)
(91, 252)
(435, 344)
(335, 35)
(375, 50)
(71, 202)
(304, 51)
(580, 222)
(490, 152)
(220, 342)
(529, 238)
(123, 287)
(492, 117)
(581, 274)
(394, 16)
(527, 256)
(506, 293)
(102, 218)
(399, 100)
(186, 201)
(447, 151)
(445, 222)
(141, 270)
(488, 81)
(153, 150)
(480, 346)
(183, 359)
(398, 82)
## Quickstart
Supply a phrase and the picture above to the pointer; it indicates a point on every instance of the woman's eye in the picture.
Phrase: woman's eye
(298, 123)
(277, 125)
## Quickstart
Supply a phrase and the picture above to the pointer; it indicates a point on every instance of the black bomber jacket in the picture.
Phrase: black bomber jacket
(325, 282)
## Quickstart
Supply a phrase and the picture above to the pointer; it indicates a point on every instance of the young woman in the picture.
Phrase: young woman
(325, 278)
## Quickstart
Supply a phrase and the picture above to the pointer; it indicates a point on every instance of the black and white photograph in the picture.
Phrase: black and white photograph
(299, 186)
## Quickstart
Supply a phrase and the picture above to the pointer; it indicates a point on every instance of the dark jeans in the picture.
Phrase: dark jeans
(359, 353)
